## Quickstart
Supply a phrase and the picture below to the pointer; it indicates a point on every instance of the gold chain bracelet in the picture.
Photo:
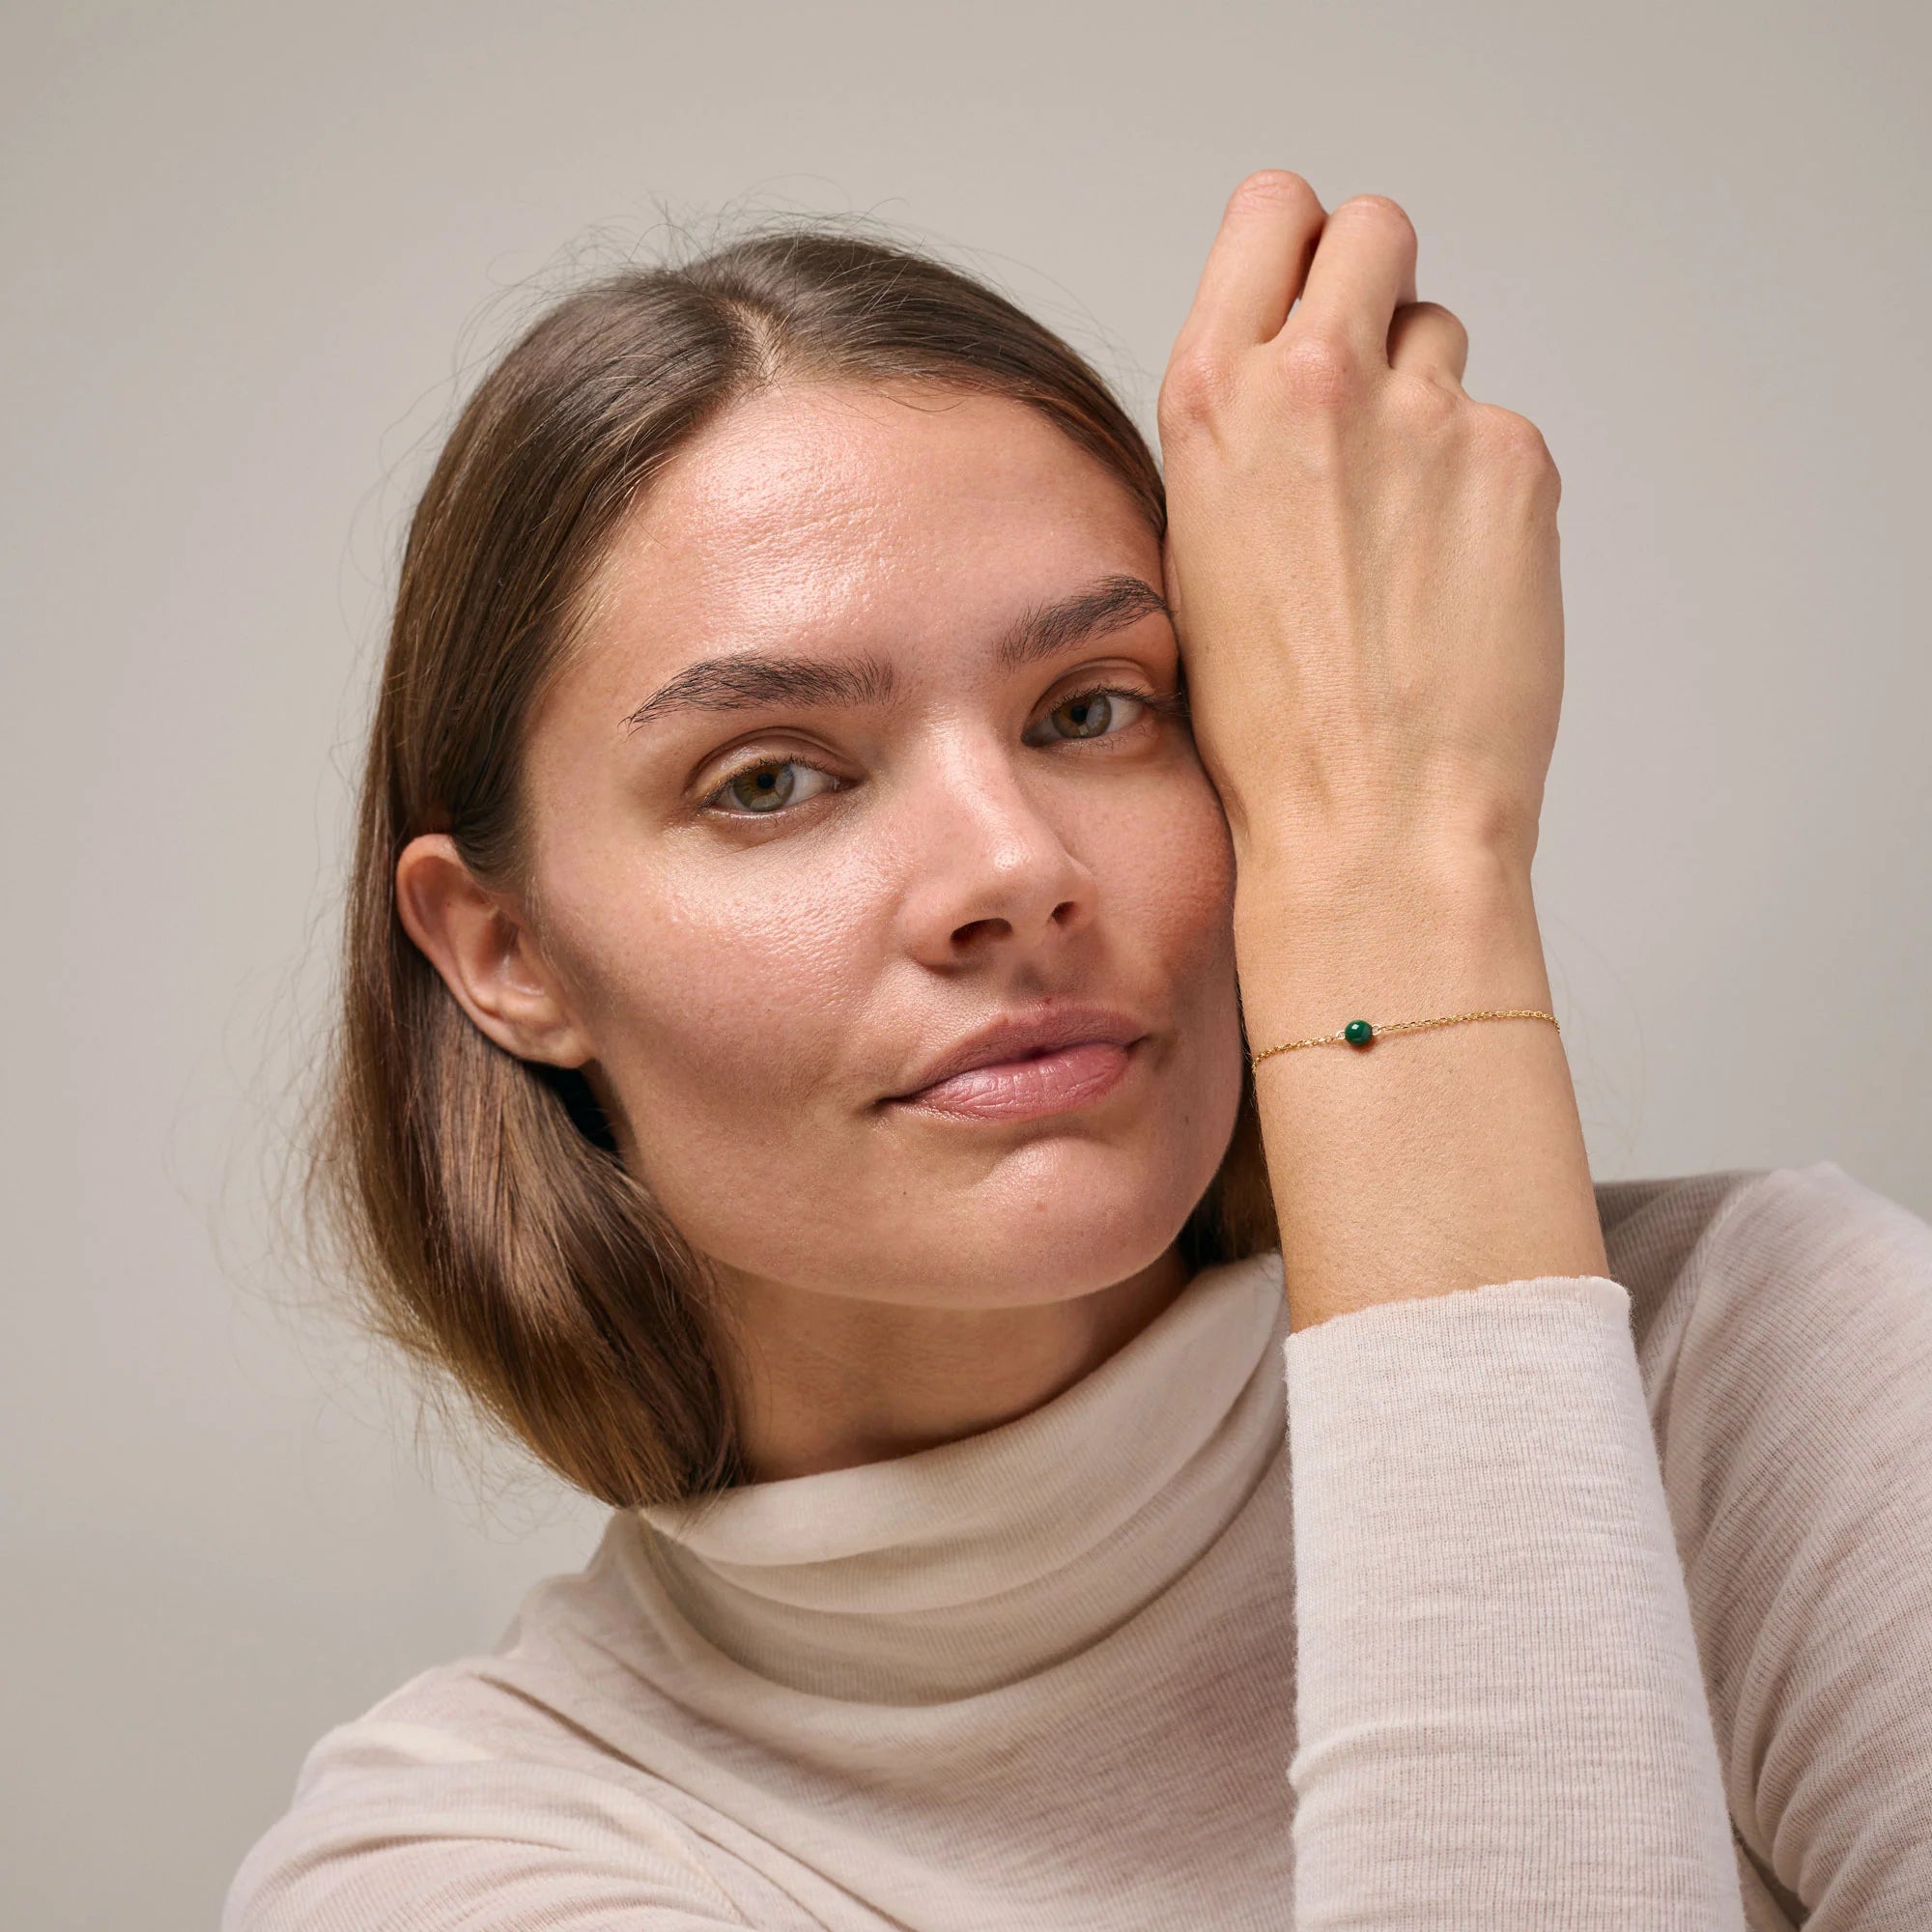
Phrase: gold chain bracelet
(1359, 1032)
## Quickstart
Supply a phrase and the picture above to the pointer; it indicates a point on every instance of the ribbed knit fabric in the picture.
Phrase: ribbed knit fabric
(1559, 1604)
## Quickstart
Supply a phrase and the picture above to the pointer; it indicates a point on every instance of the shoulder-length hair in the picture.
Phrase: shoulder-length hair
(478, 1199)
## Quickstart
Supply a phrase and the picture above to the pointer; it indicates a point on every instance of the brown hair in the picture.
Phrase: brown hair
(478, 1198)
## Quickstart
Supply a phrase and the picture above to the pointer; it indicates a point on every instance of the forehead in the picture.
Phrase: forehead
(842, 513)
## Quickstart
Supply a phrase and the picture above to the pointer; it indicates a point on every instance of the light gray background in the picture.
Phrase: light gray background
(253, 254)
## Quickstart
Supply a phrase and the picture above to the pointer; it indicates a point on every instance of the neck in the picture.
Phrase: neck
(968, 1566)
(826, 1381)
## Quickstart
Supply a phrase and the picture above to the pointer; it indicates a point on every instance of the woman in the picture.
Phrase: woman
(805, 947)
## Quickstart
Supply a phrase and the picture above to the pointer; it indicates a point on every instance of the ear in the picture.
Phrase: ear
(478, 940)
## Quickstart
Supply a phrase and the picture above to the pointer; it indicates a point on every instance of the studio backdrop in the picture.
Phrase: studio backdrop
(253, 259)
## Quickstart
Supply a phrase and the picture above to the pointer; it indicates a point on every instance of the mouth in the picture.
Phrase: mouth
(1022, 1069)
(1053, 1081)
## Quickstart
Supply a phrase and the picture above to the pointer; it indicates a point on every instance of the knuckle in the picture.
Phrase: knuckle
(1193, 391)
(1513, 438)
(1421, 403)
(1320, 370)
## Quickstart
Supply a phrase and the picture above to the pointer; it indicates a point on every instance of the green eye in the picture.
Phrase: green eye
(1090, 717)
(760, 790)
(764, 789)
(1096, 714)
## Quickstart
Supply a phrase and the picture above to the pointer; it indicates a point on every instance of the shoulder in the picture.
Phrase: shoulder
(1780, 1217)
(1640, 1212)
(533, 1699)
(493, 1788)
(1765, 1273)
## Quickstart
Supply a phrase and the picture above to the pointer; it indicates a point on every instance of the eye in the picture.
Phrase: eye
(1103, 712)
(760, 791)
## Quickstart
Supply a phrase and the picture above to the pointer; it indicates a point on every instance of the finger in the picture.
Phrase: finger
(1256, 266)
(1363, 270)
(1427, 339)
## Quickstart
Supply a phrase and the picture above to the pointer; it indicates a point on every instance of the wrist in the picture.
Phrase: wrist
(1444, 827)
(1350, 933)
(1342, 881)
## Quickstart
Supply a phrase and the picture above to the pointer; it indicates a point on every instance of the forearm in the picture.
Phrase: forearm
(1426, 1163)
(1500, 1715)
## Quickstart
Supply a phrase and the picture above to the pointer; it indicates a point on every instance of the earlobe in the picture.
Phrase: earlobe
(483, 948)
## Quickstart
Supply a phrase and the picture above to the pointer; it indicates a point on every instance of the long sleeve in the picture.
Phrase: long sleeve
(1501, 1719)
(1796, 1430)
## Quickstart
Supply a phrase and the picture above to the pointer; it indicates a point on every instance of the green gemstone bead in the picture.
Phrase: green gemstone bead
(1358, 1033)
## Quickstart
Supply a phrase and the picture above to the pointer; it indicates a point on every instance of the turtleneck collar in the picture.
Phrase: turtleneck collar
(961, 1568)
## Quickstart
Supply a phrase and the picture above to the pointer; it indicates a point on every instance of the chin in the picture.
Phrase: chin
(1084, 1263)
(1066, 1229)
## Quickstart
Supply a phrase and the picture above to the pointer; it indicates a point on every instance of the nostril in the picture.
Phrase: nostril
(969, 931)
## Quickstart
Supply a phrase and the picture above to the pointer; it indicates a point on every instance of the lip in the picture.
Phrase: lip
(1024, 1064)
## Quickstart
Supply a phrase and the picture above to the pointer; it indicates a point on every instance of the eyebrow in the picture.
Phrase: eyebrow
(753, 683)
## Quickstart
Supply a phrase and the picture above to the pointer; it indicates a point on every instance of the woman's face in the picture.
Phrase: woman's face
(811, 806)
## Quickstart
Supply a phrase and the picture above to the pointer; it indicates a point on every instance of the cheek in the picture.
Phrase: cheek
(721, 999)
(1166, 871)
(1169, 891)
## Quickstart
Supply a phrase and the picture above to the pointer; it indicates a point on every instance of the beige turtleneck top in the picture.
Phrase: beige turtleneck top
(1557, 1604)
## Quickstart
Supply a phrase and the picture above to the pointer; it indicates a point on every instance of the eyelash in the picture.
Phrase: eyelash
(1173, 705)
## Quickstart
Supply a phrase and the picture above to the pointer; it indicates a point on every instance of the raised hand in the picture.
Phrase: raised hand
(1363, 558)
(1363, 565)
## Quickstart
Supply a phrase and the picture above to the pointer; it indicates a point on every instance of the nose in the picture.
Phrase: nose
(987, 868)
